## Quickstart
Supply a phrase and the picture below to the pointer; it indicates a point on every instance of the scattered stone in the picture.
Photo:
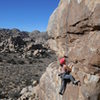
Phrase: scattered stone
(36, 52)
(35, 83)
(24, 90)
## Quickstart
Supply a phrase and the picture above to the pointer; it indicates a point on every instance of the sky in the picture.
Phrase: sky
(26, 15)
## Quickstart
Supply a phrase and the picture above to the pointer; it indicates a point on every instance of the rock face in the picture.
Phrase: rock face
(74, 30)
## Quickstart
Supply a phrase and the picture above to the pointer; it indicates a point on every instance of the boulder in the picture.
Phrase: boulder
(74, 28)
(36, 52)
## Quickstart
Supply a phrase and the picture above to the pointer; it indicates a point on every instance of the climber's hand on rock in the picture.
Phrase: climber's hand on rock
(60, 74)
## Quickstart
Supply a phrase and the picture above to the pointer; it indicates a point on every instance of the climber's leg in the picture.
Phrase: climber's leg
(71, 78)
(63, 86)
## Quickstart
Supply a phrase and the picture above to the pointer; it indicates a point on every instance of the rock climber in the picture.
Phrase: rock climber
(65, 75)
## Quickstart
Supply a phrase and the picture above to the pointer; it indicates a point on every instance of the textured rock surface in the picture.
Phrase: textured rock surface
(74, 30)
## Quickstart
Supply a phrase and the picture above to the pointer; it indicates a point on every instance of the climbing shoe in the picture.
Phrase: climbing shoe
(76, 82)
(60, 93)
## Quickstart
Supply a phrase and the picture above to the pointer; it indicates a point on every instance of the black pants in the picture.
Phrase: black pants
(65, 77)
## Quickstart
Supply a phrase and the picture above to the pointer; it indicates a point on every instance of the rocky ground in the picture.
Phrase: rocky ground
(23, 59)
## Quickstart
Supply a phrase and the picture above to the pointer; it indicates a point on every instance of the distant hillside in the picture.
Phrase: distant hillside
(6, 33)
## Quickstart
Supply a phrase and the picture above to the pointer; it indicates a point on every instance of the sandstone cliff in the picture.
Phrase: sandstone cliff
(74, 30)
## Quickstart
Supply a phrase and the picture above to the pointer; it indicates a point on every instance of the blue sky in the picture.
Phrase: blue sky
(26, 15)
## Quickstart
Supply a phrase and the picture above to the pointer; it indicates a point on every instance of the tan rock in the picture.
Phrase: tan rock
(35, 83)
(24, 90)
(36, 52)
(74, 28)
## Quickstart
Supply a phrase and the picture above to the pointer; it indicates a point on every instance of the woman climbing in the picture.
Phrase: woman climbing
(65, 75)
